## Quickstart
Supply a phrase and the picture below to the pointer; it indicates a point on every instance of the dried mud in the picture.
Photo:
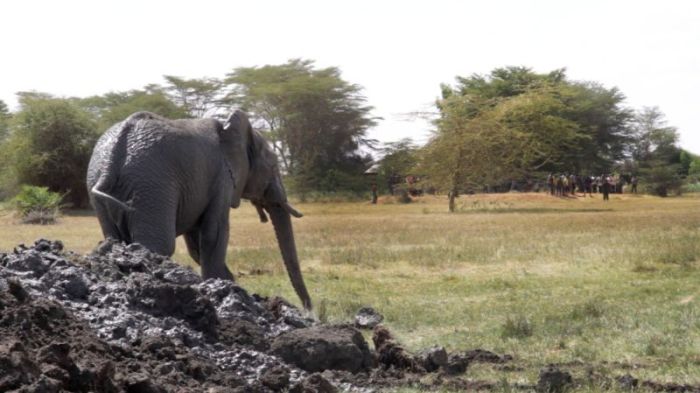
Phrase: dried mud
(123, 319)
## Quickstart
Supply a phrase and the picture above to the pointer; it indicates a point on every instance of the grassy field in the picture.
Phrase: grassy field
(611, 286)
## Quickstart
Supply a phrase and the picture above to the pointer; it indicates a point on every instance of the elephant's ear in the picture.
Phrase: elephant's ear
(234, 137)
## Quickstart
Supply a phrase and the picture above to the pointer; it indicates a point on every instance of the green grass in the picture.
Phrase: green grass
(573, 281)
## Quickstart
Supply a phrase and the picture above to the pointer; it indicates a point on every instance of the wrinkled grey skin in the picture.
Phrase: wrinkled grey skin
(151, 179)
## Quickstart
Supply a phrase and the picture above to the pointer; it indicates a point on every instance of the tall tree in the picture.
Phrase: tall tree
(196, 96)
(8, 182)
(4, 121)
(656, 152)
(316, 120)
(603, 120)
(50, 145)
(469, 149)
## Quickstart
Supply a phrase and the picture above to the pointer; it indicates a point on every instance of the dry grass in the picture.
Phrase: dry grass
(545, 279)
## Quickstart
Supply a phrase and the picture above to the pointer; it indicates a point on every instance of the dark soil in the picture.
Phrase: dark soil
(123, 319)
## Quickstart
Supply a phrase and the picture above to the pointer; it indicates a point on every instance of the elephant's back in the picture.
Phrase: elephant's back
(169, 144)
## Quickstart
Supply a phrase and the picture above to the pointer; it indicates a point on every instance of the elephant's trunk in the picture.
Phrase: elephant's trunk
(282, 222)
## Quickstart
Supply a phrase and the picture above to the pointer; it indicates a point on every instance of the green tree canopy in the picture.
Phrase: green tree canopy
(594, 132)
(114, 107)
(656, 153)
(316, 120)
(470, 148)
(4, 121)
(50, 145)
(196, 96)
(398, 160)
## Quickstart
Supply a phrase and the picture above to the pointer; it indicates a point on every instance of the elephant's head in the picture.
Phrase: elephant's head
(257, 178)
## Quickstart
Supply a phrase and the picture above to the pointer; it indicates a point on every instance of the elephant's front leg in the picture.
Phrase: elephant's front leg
(213, 242)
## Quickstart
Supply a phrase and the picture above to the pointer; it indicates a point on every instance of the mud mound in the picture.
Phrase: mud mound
(124, 319)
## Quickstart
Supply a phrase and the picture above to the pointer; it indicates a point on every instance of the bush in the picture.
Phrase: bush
(691, 187)
(662, 180)
(37, 205)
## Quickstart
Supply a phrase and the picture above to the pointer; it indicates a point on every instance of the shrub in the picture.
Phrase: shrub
(50, 145)
(662, 180)
(37, 205)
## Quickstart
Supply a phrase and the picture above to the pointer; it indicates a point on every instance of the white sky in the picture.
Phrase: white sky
(400, 51)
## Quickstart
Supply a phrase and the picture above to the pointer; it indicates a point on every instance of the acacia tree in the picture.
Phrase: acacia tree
(656, 152)
(196, 96)
(317, 121)
(469, 148)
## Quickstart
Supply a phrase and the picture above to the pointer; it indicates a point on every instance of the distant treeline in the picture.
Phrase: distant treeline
(511, 124)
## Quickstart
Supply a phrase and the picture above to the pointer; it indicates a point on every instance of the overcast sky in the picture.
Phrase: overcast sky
(399, 51)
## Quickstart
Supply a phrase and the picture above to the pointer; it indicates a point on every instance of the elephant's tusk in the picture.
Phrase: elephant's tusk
(289, 209)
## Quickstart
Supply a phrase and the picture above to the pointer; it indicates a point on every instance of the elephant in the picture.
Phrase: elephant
(151, 179)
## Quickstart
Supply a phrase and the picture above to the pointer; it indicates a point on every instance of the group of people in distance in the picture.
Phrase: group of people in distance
(565, 184)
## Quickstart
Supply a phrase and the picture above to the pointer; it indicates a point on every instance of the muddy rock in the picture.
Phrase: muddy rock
(433, 358)
(16, 369)
(276, 378)
(315, 383)
(283, 311)
(483, 356)
(27, 263)
(553, 380)
(368, 318)
(321, 348)
(390, 353)
(456, 364)
(627, 382)
(181, 302)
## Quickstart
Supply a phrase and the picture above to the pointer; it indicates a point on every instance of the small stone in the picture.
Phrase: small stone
(76, 287)
(16, 289)
(42, 245)
(141, 383)
(314, 383)
(276, 378)
(368, 318)
(627, 382)
(181, 276)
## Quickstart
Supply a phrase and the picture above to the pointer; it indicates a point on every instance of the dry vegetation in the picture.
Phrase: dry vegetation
(609, 286)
